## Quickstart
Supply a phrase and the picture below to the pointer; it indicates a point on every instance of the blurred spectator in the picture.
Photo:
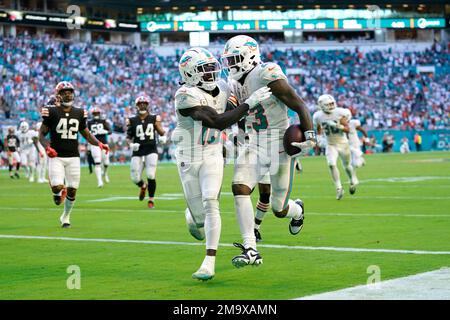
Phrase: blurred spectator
(418, 141)
(404, 148)
(388, 142)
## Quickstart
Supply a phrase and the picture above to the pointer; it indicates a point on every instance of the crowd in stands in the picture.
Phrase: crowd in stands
(383, 87)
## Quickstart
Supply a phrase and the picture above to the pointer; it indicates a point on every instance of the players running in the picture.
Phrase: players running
(334, 123)
(142, 141)
(200, 104)
(28, 149)
(12, 145)
(357, 159)
(100, 128)
(64, 122)
(264, 153)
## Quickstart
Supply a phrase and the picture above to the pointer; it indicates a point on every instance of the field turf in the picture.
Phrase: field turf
(403, 203)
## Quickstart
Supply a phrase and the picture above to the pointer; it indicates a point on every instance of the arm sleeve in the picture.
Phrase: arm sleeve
(83, 120)
(129, 129)
(45, 114)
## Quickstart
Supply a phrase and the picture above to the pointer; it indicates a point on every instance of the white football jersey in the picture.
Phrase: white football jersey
(334, 135)
(193, 141)
(353, 134)
(271, 116)
(26, 139)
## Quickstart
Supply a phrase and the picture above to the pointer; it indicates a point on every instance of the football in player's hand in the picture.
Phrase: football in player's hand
(292, 134)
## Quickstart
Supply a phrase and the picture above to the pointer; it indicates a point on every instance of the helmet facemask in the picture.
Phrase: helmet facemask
(142, 107)
(233, 65)
(66, 97)
(209, 74)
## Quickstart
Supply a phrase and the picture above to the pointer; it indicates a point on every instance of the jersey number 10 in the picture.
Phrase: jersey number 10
(148, 132)
(68, 131)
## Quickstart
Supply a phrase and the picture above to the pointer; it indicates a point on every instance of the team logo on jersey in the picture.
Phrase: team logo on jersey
(203, 102)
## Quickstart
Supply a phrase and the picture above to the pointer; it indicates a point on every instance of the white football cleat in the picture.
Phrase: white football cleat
(203, 274)
(100, 185)
(196, 230)
(65, 222)
(339, 193)
(106, 178)
(295, 226)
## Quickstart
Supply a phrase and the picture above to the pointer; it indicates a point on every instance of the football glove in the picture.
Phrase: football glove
(103, 146)
(134, 146)
(162, 139)
(258, 96)
(306, 146)
(334, 124)
(51, 152)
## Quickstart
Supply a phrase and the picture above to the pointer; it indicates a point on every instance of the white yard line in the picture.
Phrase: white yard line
(433, 285)
(273, 246)
(350, 214)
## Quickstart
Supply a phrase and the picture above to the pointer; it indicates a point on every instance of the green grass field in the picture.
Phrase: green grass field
(403, 203)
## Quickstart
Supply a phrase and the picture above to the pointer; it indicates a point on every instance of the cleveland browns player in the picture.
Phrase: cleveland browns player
(142, 140)
(100, 128)
(64, 121)
(12, 145)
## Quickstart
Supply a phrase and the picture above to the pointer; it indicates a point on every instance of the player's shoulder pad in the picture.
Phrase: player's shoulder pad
(271, 71)
(188, 97)
(45, 112)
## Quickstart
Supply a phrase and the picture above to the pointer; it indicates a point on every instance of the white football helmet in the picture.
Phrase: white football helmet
(326, 103)
(24, 126)
(240, 55)
(199, 68)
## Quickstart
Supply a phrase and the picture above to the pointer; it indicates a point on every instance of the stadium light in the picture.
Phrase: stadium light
(300, 6)
(244, 7)
(351, 6)
(157, 8)
(405, 6)
(261, 7)
(174, 8)
(389, 6)
(227, 7)
(279, 7)
(192, 7)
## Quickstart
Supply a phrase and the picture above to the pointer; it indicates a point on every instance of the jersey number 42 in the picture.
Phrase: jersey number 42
(68, 129)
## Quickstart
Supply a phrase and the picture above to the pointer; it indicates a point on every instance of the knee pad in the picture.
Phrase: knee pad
(135, 177)
(211, 206)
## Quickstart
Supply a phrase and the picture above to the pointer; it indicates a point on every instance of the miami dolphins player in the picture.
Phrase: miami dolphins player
(200, 104)
(264, 153)
(334, 122)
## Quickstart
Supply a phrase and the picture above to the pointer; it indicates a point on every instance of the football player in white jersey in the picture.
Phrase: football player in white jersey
(357, 159)
(333, 122)
(200, 104)
(264, 152)
(41, 166)
(28, 143)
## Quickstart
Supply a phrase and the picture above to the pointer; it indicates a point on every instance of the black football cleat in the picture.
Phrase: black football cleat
(16, 175)
(65, 225)
(248, 256)
(258, 235)
(142, 192)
